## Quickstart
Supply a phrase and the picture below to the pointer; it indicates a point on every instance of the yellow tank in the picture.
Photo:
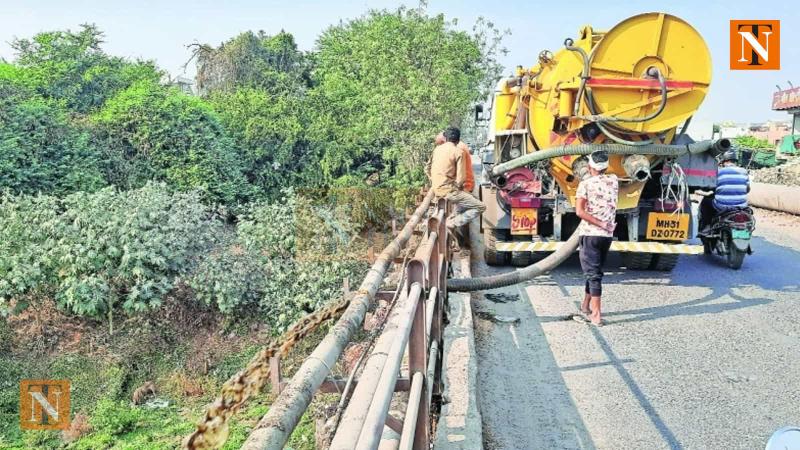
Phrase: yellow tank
(606, 87)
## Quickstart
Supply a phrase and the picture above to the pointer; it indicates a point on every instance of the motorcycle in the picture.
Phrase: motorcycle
(729, 235)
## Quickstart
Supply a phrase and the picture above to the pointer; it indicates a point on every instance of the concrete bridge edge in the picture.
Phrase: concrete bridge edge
(460, 426)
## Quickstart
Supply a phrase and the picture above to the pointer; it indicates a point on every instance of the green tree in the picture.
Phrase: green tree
(258, 83)
(71, 66)
(41, 149)
(152, 132)
(253, 60)
(750, 142)
(270, 132)
(385, 83)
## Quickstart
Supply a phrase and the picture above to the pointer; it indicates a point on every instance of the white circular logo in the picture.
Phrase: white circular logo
(786, 438)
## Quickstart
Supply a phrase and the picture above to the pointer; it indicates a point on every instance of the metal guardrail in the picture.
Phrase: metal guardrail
(414, 327)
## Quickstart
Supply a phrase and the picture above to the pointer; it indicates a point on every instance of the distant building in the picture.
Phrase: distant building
(731, 130)
(772, 132)
(183, 83)
(788, 100)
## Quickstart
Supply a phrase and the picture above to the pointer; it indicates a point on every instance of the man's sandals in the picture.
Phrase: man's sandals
(581, 318)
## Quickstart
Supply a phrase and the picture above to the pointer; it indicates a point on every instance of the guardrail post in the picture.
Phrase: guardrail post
(443, 206)
(426, 269)
(441, 296)
(417, 360)
(275, 374)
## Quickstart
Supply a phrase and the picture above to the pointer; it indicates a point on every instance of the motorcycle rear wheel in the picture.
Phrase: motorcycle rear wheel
(708, 246)
(735, 257)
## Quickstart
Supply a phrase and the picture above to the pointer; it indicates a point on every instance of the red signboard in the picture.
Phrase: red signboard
(787, 99)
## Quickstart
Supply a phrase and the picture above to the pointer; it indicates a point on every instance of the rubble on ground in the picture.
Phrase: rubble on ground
(787, 174)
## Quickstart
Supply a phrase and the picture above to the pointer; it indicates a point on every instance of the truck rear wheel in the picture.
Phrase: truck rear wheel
(665, 262)
(638, 261)
(490, 253)
(521, 259)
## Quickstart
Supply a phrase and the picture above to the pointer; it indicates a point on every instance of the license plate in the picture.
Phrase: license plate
(524, 220)
(740, 234)
(667, 226)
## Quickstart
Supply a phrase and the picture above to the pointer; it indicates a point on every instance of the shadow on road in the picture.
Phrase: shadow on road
(769, 265)
(764, 275)
(618, 365)
(523, 400)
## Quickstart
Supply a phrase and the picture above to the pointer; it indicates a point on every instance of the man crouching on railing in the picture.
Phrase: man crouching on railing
(447, 172)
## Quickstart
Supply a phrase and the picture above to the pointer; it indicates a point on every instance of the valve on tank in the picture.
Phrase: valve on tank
(637, 167)
(580, 168)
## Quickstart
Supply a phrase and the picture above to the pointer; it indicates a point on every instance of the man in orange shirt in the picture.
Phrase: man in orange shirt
(466, 158)
(450, 172)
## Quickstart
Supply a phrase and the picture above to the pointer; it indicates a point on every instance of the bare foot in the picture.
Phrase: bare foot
(585, 306)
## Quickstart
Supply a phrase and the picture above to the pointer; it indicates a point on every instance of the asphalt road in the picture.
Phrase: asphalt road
(702, 357)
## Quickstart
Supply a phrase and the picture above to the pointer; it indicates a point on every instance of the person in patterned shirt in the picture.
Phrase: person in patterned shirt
(596, 206)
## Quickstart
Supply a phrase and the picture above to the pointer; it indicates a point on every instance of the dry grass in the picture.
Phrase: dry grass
(77, 428)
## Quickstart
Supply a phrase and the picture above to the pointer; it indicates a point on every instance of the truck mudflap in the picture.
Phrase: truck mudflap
(616, 246)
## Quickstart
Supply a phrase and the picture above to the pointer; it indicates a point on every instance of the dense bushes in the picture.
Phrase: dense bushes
(362, 107)
(103, 250)
(29, 233)
(288, 259)
(322, 252)
(110, 251)
(230, 278)
(270, 135)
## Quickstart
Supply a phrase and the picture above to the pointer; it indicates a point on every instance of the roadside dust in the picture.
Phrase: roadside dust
(523, 400)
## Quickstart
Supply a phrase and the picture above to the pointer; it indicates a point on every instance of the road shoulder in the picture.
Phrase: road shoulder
(460, 422)
(778, 228)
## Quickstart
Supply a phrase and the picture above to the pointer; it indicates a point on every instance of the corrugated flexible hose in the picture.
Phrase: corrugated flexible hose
(565, 250)
(517, 276)
(717, 146)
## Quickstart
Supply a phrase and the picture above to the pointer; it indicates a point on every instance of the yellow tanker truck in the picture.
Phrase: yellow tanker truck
(632, 91)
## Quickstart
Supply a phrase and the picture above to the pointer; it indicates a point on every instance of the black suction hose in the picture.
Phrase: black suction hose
(517, 276)
(717, 146)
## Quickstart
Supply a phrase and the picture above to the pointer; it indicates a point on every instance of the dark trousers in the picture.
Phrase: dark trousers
(593, 253)
(707, 212)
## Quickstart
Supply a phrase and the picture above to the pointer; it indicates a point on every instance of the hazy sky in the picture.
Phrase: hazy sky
(161, 30)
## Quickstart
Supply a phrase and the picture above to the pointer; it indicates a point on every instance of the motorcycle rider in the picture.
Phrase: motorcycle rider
(733, 184)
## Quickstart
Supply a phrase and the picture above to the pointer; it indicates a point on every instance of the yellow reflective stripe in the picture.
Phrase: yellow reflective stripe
(528, 246)
(656, 247)
(618, 246)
